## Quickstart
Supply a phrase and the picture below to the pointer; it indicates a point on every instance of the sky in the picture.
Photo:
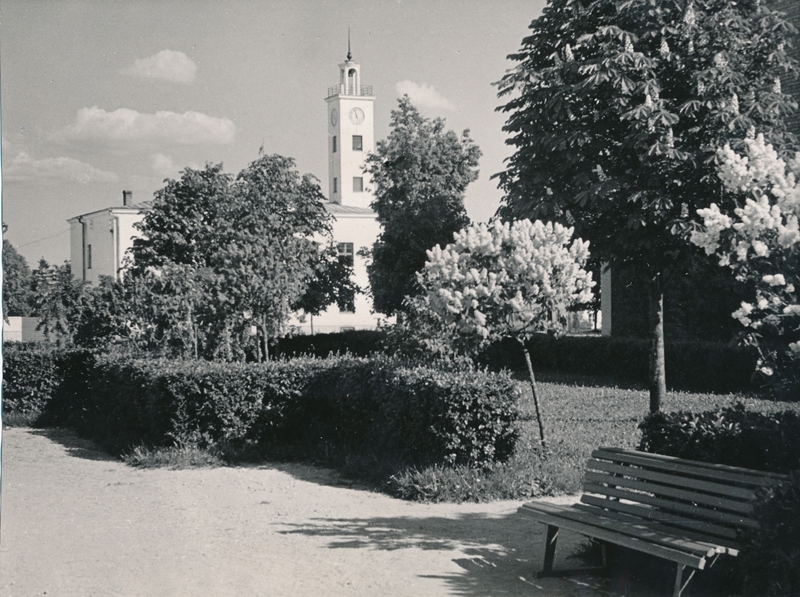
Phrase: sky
(104, 96)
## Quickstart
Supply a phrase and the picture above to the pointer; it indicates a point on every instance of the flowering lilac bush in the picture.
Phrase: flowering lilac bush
(507, 280)
(759, 239)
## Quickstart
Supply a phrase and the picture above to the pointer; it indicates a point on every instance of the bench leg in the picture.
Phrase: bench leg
(549, 550)
(680, 585)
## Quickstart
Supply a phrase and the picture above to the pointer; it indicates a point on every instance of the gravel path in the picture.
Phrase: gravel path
(77, 523)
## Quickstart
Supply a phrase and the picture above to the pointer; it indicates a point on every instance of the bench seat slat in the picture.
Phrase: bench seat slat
(718, 531)
(671, 478)
(639, 529)
(671, 506)
(721, 472)
(612, 535)
(719, 544)
(671, 492)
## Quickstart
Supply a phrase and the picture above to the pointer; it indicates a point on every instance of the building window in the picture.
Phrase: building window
(345, 251)
(334, 144)
(88, 256)
(358, 143)
(335, 185)
(358, 184)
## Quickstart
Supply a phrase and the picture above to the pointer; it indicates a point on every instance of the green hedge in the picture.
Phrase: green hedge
(733, 436)
(339, 406)
(770, 562)
(360, 343)
(691, 365)
(30, 377)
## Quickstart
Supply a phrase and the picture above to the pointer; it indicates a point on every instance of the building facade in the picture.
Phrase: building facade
(99, 240)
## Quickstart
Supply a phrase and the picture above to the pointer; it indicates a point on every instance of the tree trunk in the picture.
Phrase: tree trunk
(535, 397)
(266, 337)
(658, 377)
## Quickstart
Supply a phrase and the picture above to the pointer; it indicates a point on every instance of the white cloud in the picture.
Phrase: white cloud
(24, 168)
(423, 95)
(167, 64)
(124, 124)
(162, 164)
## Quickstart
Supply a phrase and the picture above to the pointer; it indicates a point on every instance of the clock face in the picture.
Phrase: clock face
(334, 117)
(356, 115)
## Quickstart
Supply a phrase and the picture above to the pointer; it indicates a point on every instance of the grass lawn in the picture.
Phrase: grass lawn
(579, 415)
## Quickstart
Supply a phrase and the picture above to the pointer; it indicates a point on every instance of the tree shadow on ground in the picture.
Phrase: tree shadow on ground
(497, 555)
(73, 444)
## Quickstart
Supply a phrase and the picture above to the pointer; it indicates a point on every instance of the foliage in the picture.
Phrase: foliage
(332, 408)
(755, 233)
(56, 297)
(771, 557)
(615, 110)
(731, 436)
(16, 283)
(244, 251)
(507, 280)
(331, 283)
(420, 173)
(357, 343)
(30, 377)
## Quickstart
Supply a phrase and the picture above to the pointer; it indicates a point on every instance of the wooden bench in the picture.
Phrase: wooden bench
(680, 510)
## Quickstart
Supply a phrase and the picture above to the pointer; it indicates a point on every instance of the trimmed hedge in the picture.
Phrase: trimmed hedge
(770, 562)
(336, 407)
(733, 436)
(359, 343)
(30, 377)
(691, 365)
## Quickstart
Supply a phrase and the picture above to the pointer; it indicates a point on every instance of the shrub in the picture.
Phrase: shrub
(771, 558)
(733, 436)
(337, 407)
(30, 377)
(360, 343)
(691, 365)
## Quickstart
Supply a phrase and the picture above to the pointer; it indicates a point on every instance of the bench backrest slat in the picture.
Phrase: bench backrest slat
(670, 492)
(716, 472)
(668, 505)
(671, 478)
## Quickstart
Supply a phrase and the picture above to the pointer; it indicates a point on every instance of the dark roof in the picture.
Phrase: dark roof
(336, 208)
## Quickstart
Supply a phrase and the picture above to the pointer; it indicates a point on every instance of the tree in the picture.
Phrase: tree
(248, 247)
(508, 280)
(615, 110)
(756, 234)
(420, 174)
(16, 283)
(56, 298)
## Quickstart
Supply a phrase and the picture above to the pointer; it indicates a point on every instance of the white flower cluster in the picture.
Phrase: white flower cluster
(507, 278)
(760, 240)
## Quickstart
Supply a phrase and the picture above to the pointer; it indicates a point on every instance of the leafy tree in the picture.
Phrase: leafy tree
(247, 247)
(615, 110)
(16, 283)
(420, 173)
(56, 298)
(508, 280)
(757, 236)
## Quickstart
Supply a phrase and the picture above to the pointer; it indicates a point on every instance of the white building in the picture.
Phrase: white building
(99, 240)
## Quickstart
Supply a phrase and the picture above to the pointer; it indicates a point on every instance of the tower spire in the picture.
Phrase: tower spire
(349, 55)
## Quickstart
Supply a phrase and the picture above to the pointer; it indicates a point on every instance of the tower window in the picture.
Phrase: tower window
(358, 184)
(88, 256)
(334, 144)
(358, 143)
(335, 185)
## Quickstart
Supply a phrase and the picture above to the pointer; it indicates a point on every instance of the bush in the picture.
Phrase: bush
(339, 407)
(772, 556)
(732, 436)
(691, 365)
(30, 378)
(359, 343)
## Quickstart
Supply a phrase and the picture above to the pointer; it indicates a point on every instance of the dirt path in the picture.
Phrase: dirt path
(76, 523)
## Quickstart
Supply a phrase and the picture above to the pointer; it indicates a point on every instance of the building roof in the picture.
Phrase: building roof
(348, 210)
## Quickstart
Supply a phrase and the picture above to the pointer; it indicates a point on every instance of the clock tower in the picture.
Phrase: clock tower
(351, 136)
